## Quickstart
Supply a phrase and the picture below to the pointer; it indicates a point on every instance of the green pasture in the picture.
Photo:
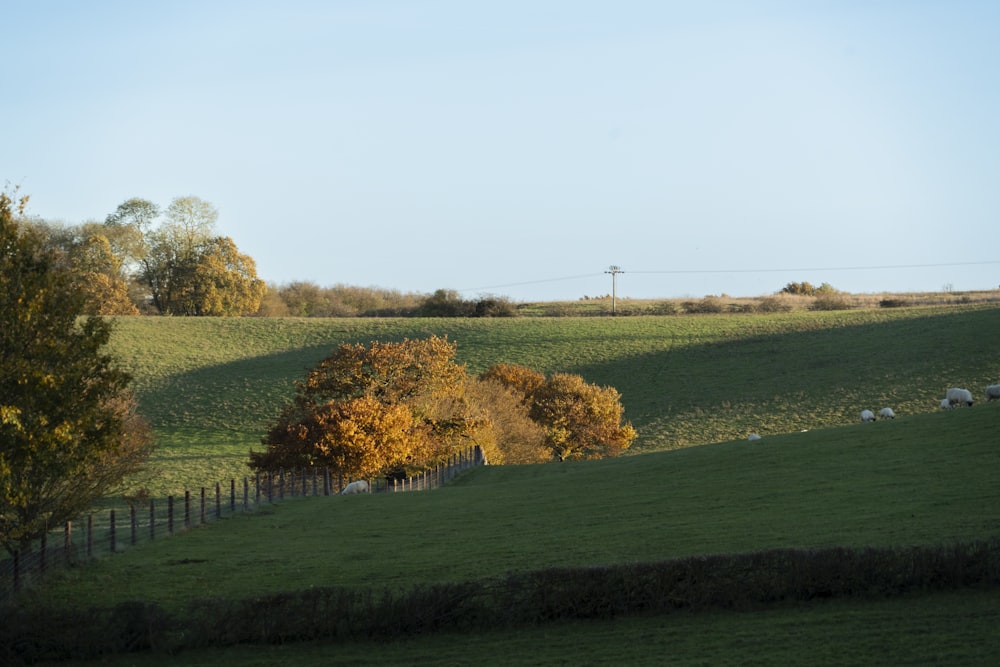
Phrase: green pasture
(924, 479)
(818, 478)
(210, 386)
(920, 479)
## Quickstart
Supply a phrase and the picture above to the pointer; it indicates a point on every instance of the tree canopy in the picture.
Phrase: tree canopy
(367, 410)
(69, 432)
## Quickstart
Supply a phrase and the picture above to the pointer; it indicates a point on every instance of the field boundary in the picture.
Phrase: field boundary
(111, 531)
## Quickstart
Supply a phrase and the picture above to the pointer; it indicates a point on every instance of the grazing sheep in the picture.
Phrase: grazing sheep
(360, 486)
(886, 413)
(867, 416)
(993, 392)
(959, 396)
(753, 437)
(945, 404)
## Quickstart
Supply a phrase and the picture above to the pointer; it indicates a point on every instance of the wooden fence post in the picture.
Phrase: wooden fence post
(304, 478)
(68, 542)
(187, 510)
(42, 548)
(232, 496)
(111, 530)
(133, 523)
(203, 504)
(218, 501)
(257, 491)
(281, 484)
(246, 493)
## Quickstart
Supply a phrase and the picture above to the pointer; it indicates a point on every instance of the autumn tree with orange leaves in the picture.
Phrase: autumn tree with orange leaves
(370, 410)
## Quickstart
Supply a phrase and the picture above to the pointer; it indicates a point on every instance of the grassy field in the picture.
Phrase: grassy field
(210, 386)
(928, 477)
(916, 480)
(945, 629)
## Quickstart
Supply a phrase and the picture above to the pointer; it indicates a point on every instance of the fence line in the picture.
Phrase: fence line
(108, 532)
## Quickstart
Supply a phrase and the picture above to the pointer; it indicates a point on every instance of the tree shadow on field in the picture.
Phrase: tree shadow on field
(689, 393)
(241, 395)
(813, 377)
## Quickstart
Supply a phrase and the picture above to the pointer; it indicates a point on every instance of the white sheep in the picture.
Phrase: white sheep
(945, 404)
(958, 396)
(360, 486)
(886, 413)
(867, 416)
(993, 392)
(753, 437)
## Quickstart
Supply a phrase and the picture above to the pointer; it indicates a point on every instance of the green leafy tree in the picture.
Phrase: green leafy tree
(185, 267)
(69, 432)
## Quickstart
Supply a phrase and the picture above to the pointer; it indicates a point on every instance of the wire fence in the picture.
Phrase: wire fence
(110, 531)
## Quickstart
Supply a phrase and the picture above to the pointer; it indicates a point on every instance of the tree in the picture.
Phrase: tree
(374, 409)
(581, 420)
(506, 432)
(69, 432)
(186, 269)
(97, 272)
(221, 282)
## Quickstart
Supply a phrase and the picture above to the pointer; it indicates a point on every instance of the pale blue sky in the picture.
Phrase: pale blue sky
(521, 148)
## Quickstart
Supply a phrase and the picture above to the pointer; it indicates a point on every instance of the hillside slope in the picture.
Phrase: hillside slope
(210, 386)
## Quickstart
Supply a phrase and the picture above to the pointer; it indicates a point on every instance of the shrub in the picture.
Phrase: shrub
(772, 304)
(893, 303)
(710, 304)
(665, 308)
(831, 302)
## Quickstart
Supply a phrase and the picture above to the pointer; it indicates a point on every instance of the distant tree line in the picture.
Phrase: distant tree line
(144, 260)
(306, 299)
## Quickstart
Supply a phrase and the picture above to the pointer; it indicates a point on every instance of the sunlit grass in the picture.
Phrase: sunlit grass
(213, 384)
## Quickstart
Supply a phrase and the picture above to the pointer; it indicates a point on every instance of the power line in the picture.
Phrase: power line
(826, 268)
(530, 282)
(707, 271)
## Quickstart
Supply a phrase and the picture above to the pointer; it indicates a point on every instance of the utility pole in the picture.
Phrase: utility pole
(614, 271)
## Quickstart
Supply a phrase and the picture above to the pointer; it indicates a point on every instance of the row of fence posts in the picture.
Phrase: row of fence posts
(267, 487)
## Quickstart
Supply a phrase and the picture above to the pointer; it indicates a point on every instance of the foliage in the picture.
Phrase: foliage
(580, 420)
(373, 409)
(507, 434)
(583, 421)
(525, 381)
(830, 301)
(359, 437)
(98, 272)
(448, 303)
(806, 288)
(191, 272)
(69, 432)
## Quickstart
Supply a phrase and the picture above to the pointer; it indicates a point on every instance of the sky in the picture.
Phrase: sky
(523, 148)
